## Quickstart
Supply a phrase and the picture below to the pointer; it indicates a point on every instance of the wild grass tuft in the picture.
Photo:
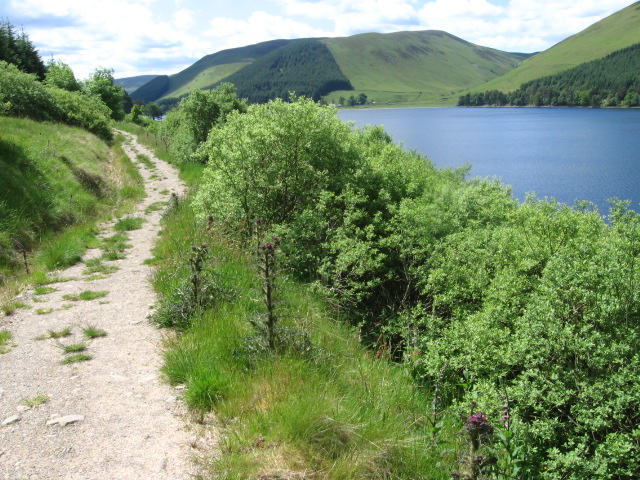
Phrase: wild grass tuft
(11, 307)
(128, 223)
(65, 332)
(66, 249)
(44, 311)
(73, 348)
(114, 246)
(34, 401)
(5, 337)
(96, 266)
(155, 206)
(85, 295)
(92, 332)
(44, 290)
(78, 357)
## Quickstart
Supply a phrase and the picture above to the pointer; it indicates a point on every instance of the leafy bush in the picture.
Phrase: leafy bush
(187, 126)
(24, 96)
(75, 108)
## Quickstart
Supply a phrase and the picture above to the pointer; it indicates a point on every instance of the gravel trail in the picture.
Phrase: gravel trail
(110, 417)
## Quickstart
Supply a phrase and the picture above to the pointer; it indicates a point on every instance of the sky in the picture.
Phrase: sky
(142, 37)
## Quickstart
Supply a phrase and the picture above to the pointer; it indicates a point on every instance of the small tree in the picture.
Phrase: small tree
(60, 75)
(152, 110)
(101, 85)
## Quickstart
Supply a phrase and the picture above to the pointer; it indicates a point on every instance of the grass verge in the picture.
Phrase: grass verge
(323, 407)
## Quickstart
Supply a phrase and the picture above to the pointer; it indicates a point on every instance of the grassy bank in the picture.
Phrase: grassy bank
(57, 183)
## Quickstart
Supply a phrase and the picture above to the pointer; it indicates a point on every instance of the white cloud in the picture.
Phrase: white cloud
(259, 27)
(183, 19)
(522, 25)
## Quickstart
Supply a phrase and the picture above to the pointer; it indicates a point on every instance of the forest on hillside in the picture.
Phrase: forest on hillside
(305, 67)
(612, 81)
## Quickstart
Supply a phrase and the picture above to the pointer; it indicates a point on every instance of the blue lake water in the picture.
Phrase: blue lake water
(569, 154)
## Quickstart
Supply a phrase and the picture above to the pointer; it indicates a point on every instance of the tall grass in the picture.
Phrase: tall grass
(323, 408)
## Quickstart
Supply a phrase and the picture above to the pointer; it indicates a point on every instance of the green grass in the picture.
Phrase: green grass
(74, 348)
(34, 401)
(155, 206)
(95, 265)
(44, 290)
(620, 30)
(44, 311)
(40, 278)
(92, 332)
(206, 78)
(415, 68)
(76, 358)
(128, 223)
(325, 406)
(10, 307)
(86, 295)
(57, 183)
(5, 337)
(146, 161)
(65, 332)
(114, 246)
(67, 248)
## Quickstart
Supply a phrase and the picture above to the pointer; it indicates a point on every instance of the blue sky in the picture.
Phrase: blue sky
(137, 37)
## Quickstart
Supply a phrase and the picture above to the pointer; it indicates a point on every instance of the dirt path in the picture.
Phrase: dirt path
(110, 417)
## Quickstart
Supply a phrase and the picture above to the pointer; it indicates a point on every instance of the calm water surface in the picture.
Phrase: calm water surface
(569, 154)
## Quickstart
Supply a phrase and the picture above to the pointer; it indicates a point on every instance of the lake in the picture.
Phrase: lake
(569, 154)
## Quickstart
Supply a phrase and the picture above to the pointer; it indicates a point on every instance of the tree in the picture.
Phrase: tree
(60, 75)
(18, 50)
(101, 84)
(274, 160)
(186, 127)
(152, 110)
(362, 99)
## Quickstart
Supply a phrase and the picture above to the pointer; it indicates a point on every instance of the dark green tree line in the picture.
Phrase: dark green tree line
(612, 81)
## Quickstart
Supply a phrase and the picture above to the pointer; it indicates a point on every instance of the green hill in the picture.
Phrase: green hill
(429, 67)
(618, 31)
(205, 72)
(426, 67)
(304, 66)
(610, 81)
(131, 84)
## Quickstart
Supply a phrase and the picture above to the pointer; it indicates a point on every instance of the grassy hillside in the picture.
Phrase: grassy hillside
(416, 67)
(209, 70)
(55, 177)
(208, 77)
(430, 67)
(618, 31)
(610, 81)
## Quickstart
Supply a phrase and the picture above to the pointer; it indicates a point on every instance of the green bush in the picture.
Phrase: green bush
(75, 108)
(24, 96)
(187, 126)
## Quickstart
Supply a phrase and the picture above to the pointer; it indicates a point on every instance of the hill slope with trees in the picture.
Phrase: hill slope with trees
(428, 67)
(304, 66)
(612, 81)
(618, 31)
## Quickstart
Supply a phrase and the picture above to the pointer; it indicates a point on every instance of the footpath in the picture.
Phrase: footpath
(109, 416)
